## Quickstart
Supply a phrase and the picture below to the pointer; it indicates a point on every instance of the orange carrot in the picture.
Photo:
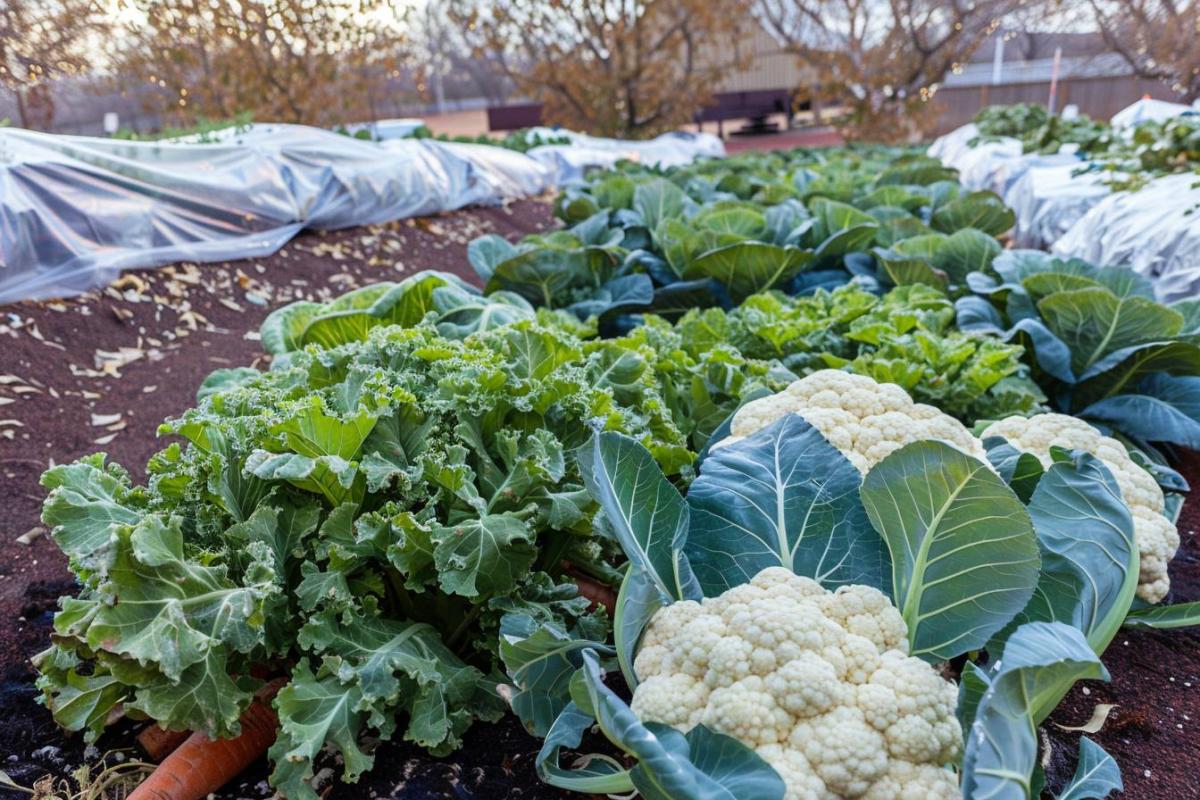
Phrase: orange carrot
(201, 765)
(597, 592)
(158, 742)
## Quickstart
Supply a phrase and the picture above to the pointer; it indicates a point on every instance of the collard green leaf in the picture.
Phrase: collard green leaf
(963, 550)
(637, 602)
(982, 210)
(965, 251)
(747, 268)
(485, 253)
(404, 304)
(1041, 661)
(625, 294)
(1121, 371)
(658, 200)
(544, 275)
(283, 329)
(590, 774)
(648, 514)
(1096, 775)
(904, 270)
(1095, 323)
(1165, 408)
(462, 313)
(1020, 470)
(782, 497)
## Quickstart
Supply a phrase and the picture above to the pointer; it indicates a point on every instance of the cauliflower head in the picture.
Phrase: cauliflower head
(1156, 536)
(865, 420)
(818, 683)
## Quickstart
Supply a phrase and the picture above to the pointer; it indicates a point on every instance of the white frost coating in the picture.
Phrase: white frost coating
(1155, 535)
(819, 683)
(865, 420)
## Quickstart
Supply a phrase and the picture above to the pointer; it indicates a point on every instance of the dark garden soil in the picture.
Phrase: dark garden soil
(99, 372)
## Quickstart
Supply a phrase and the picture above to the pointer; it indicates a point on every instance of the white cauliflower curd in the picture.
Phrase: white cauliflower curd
(818, 683)
(865, 420)
(1156, 536)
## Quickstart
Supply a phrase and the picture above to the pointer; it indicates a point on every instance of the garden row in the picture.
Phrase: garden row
(1086, 189)
(405, 518)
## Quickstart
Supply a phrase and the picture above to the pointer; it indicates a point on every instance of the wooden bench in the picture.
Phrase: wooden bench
(514, 117)
(754, 106)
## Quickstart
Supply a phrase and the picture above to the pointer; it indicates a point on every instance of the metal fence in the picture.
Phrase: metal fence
(1099, 98)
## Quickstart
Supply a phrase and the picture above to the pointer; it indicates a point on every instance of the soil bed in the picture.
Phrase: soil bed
(99, 372)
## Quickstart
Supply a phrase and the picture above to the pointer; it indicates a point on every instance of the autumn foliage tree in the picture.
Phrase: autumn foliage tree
(883, 60)
(627, 68)
(1160, 39)
(318, 62)
(42, 41)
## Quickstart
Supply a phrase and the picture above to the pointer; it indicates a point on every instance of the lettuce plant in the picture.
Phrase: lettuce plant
(906, 337)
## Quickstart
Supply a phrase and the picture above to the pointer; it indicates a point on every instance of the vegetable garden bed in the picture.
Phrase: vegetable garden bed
(441, 442)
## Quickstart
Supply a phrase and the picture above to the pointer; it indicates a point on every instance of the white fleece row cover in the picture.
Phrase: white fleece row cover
(76, 211)
(1064, 208)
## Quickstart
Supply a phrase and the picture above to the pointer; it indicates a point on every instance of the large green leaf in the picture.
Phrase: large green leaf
(485, 253)
(1089, 558)
(485, 555)
(1166, 408)
(965, 251)
(283, 329)
(1096, 775)
(748, 268)
(782, 497)
(1041, 661)
(1094, 323)
(590, 774)
(982, 210)
(1179, 615)
(404, 304)
(702, 765)
(648, 514)
(541, 659)
(963, 550)
(87, 500)
(658, 200)
(315, 710)
(544, 275)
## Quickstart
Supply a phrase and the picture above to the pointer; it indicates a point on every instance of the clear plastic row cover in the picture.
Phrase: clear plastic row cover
(75, 211)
